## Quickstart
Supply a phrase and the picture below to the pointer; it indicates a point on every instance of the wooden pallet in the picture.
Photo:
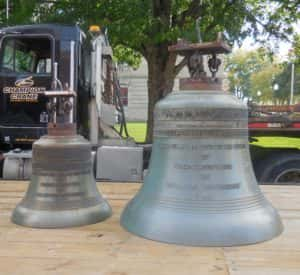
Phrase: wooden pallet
(106, 249)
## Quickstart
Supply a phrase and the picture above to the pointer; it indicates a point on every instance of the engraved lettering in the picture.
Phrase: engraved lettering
(182, 186)
(203, 186)
(60, 184)
(49, 195)
(222, 186)
(203, 167)
(202, 133)
(164, 125)
(203, 114)
(200, 147)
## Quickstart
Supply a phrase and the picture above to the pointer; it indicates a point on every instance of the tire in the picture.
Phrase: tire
(279, 168)
(1, 166)
(146, 155)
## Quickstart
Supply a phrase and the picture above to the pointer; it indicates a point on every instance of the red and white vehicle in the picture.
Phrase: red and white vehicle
(275, 165)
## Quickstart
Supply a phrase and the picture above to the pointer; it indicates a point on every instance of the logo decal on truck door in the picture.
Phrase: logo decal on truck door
(23, 91)
(24, 82)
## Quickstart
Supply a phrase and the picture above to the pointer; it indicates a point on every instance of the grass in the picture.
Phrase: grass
(278, 142)
(137, 130)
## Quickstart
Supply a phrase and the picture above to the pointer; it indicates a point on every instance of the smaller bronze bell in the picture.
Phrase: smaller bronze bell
(62, 191)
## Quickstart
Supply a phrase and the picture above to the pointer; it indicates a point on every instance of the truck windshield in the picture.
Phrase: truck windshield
(26, 55)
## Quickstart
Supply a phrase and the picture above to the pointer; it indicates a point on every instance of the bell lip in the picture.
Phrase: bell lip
(41, 218)
(152, 237)
(202, 244)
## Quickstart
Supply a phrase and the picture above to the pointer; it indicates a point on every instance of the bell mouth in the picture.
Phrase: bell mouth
(181, 227)
(61, 219)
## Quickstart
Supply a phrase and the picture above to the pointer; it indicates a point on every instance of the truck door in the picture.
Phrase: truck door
(26, 64)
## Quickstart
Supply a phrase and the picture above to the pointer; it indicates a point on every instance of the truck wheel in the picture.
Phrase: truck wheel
(1, 164)
(280, 168)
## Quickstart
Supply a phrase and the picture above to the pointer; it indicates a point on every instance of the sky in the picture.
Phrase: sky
(283, 47)
(282, 50)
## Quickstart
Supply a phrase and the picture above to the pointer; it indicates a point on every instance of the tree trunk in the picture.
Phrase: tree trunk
(161, 75)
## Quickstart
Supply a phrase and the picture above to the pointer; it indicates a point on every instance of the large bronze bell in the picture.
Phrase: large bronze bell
(201, 189)
(62, 191)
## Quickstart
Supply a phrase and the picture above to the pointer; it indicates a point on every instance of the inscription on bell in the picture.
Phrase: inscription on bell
(199, 147)
(203, 114)
(222, 186)
(179, 186)
(202, 133)
(216, 124)
(200, 167)
(57, 194)
(60, 184)
(182, 186)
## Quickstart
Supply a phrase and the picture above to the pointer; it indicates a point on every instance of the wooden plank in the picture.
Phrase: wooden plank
(280, 255)
(105, 248)
(271, 257)
(109, 266)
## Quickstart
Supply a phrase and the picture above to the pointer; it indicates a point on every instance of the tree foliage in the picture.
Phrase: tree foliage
(263, 89)
(147, 27)
(283, 80)
(254, 74)
(296, 49)
(249, 71)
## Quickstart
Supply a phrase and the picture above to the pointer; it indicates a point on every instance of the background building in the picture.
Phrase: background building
(135, 91)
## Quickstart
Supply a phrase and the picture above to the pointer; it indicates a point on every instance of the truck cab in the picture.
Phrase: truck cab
(42, 57)
(27, 56)
(27, 61)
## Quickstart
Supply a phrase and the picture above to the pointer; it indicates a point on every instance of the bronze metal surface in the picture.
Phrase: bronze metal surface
(62, 190)
(200, 189)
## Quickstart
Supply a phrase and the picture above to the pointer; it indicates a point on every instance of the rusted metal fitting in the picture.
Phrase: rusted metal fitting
(184, 48)
(202, 84)
(194, 53)
(61, 129)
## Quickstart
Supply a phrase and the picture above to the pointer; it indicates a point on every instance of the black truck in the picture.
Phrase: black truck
(36, 58)
(42, 57)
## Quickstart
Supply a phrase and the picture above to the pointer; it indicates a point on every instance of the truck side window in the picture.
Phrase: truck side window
(8, 57)
(24, 61)
(26, 55)
(44, 66)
